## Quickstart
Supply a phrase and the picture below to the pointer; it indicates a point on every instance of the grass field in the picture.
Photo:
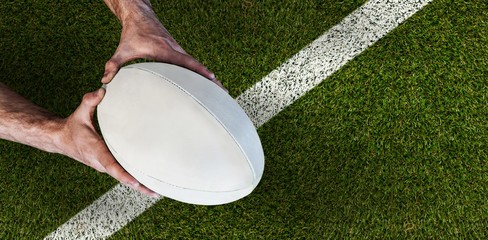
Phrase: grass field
(393, 145)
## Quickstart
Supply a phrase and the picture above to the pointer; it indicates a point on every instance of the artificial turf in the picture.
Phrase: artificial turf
(391, 146)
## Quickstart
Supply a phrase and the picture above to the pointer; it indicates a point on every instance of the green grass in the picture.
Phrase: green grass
(394, 145)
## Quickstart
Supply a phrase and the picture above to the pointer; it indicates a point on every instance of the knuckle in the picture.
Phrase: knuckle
(112, 167)
(86, 97)
(111, 65)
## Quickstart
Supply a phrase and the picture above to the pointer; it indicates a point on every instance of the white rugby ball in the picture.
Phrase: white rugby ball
(180, 134)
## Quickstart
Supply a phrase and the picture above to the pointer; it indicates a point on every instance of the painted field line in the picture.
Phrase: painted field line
(273, 93)
(324, 56)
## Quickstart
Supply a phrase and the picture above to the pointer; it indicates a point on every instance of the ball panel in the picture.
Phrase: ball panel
(169, 136)
(204, 146)
(221, 105)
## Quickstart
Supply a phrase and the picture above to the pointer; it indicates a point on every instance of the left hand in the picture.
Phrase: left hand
(149, 39)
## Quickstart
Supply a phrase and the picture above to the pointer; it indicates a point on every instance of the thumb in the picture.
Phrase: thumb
(111, 68)
(90, 102)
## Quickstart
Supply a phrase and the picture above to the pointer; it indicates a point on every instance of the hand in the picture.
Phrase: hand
(148, 39)
(80, 141)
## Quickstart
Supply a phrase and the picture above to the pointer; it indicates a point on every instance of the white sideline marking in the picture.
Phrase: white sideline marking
(106, 215)
(278, 89)
(324, 56)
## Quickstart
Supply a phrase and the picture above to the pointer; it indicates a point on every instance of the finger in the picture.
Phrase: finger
(188, 62)
(116, 171)
(88, 105)
(97, 166)
(143, 189)
(216, 81)
(192, 64)
(92, 99)
(113, 169)
(111, 68)
(125, 178)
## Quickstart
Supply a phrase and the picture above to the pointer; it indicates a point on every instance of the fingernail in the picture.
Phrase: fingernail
(155, 195)
(212, 76)
(98, 92)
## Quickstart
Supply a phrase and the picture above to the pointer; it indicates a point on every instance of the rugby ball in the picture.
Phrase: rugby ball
(180, 134)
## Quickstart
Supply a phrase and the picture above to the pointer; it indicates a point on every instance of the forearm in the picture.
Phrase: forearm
(131, 11)
(22, 121)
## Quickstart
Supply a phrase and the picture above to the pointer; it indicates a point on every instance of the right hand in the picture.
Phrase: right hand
(80, 141)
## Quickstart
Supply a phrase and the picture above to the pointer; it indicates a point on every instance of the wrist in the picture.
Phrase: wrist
(38, 131)
(51, 135)
(133, 11)
(23, 122)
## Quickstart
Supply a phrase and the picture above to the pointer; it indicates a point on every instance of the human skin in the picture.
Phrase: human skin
(142, 36)
(75, 136)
